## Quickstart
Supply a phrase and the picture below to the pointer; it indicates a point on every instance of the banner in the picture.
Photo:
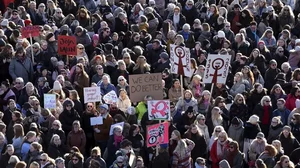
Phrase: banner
(157, 134)
(180, 58)
(67, 45)
(216, 69)
(33, 30)
(159, 110)
(145, 84)
(111, 131)
(111, 97)
(92, 94)
(50, 101)
(96, 120)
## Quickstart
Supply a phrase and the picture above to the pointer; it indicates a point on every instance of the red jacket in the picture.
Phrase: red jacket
(214, 156)
(290, 102)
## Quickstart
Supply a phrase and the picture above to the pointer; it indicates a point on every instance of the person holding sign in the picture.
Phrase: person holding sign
(101, 132)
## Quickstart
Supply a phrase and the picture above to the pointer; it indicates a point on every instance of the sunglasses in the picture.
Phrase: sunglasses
(267, 101)
(293, 118)
(231, 147)
(100, 68)
(75, 159)
(89, 106)
(43, 160)
(217, 131)
(55, 125)
(121, 80)
(80, 48)
(69, 105)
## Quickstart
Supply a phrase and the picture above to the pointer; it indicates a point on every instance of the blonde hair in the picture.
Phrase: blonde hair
(181, 148)
(13, 159)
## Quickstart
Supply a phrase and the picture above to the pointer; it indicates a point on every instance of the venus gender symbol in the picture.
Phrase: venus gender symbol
(217, 64)
(180, 53)
(159, 109)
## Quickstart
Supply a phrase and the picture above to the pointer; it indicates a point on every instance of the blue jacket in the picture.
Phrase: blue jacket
(24, 150)
(284, 114)
(109, 88)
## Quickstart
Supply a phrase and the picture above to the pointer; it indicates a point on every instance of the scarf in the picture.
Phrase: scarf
(118, 139)
(231, 157)
(266, 118)
(221, 147)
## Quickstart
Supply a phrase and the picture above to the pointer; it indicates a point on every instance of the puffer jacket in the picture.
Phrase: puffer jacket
(84, 39)
(274, 132)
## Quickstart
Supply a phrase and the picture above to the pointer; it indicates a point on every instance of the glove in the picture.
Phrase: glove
(96, 130)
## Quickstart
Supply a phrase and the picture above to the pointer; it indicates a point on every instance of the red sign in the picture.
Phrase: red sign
(33, 30)
(157, 134)
(67, 45)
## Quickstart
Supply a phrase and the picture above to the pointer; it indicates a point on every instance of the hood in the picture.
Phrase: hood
(153, 22)
(240, 125)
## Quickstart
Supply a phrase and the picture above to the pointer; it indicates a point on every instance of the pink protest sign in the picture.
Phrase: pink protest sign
(158, 134)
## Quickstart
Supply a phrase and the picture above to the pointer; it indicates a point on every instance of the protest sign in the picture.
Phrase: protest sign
(67, 45)
(145, 84)
(158, 134)
(216, 69)
(96, 120)
(159, 110)
(111, 97)
(180, 59)
(92, 94)
(50, 101)
(111, 131)
(30, 30)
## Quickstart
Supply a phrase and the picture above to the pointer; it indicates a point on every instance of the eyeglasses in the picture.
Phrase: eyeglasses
(100, 68)
(75, 159)
(287, 161)
(37, 104)
(80, 48)
(43, 160)
(217, 130)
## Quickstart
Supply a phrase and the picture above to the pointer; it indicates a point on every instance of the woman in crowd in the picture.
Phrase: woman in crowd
(122, 84)
(137, 139)
(182, 153)
(113, 144)
(264, 111)
(268, 156)
(77, 137)
(29, 138)
(56, 148)
(194, 134)
(239, 108)
(56, 128)
(288, 141)
(123, 102)
(219, 149)
(284, 162)
(187, 101)
(235, 156)
(275, 129)
(175, 91)
(256, 148)
(6, 155)
(34, 153)
(18, 139)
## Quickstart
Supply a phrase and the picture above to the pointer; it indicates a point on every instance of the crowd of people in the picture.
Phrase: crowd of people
(251, 121)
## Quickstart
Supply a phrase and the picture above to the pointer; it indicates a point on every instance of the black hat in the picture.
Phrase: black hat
(49, 36)
(108, 46)
(190, 109)
(11, 5)
(125, 143)
(98, 51)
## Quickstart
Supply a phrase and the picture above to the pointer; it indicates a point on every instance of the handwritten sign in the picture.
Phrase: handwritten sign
(111, 131)
(96, 120)
(216, 69)
(67, 45)
(145, 84)
(159, 110)
(33, 30)
(157, 134)
(50, 101)
(92, 94)
(111, 97)
(180, 58)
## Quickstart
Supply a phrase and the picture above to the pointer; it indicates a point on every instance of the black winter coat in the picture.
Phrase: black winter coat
(251, 130)
(67, 118)
(56, 151)
(240, 111)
